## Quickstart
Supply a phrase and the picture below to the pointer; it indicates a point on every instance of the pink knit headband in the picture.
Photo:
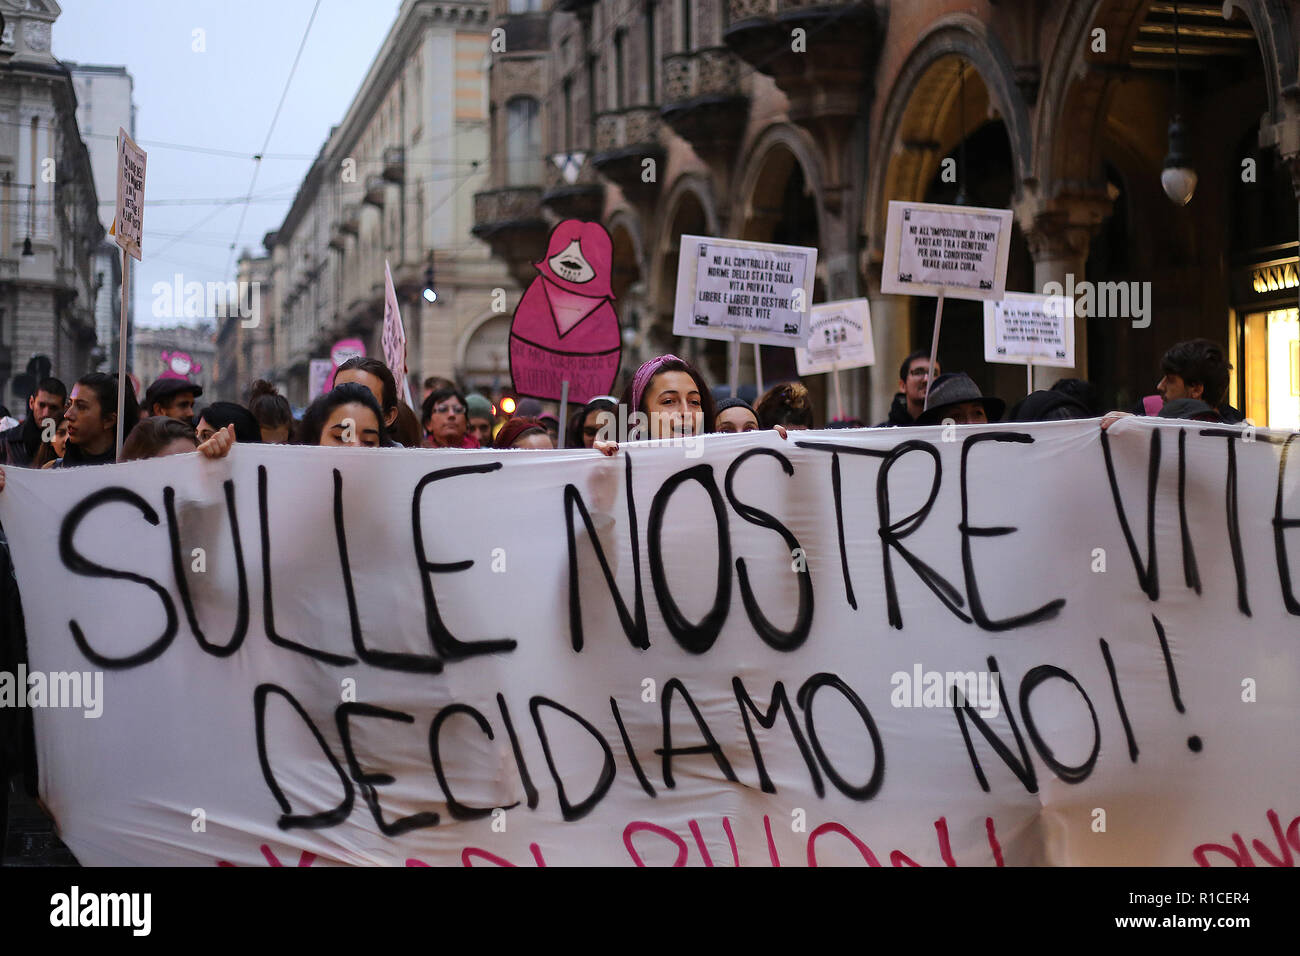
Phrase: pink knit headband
(641, 381)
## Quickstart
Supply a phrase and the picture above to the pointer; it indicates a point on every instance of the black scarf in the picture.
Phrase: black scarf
(73, 456)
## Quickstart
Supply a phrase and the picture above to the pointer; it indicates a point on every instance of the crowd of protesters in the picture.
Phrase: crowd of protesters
(667, 398)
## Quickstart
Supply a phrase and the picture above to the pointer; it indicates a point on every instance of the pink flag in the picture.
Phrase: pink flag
(394, 338)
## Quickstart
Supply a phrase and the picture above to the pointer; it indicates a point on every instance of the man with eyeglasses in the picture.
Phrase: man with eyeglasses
(445, 422)
(913, 379)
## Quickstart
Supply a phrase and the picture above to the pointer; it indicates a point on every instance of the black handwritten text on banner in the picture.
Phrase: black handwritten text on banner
(395, 657)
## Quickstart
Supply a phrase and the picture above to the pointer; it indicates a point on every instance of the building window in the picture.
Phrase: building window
(686, 25)
(619, 102)
(524, 6)
(523, 143)
(650, 57)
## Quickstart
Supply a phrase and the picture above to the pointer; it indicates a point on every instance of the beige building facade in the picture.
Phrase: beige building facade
(393, 183)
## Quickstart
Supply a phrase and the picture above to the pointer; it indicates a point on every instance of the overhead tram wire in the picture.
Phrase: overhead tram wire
(257, 160)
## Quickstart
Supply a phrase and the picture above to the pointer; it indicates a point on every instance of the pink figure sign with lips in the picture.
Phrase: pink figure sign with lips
(565, 327)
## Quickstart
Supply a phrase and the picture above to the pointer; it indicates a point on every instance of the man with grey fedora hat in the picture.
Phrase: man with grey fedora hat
(953, 395)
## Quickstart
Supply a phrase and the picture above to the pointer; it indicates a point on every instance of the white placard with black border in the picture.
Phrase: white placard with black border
(1027, 329)
(959, 251)
(730, 289)
(128, 224)
(839, 336)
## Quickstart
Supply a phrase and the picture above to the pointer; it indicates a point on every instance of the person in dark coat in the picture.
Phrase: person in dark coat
(955, 396)
(1048, 405)
(20, 444)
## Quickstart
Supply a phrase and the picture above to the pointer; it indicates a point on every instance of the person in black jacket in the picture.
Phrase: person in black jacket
(19, 445)
(913, 379)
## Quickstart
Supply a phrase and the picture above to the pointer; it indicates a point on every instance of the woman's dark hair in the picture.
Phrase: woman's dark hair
(154, 434)
(373, 366)
(221, 414)
(318, 412)
(707, 404)
(105, 388)
(268, 406)
(1083, 392)
(437, 396)
(785, 404)
(573, 438)
(407, 431)
(1200, 362)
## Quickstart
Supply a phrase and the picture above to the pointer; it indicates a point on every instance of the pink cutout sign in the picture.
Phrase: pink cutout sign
(565, 327)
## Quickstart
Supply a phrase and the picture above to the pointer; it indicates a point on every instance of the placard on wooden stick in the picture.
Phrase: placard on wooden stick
(839, 336)
(955, 251)
(744, 291)
(1026, 329)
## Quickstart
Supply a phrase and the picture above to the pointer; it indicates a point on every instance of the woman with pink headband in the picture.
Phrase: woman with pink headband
(674, 397)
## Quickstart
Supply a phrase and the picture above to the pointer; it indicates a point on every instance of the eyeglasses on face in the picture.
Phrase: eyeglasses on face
(445, 409)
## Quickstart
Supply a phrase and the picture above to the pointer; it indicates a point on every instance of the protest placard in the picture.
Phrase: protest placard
(1040, 644)
(394, 338)
(749, 291)
(839, 336)
(128, 226)
(1025, 329)
(565, 343)
(960, 251)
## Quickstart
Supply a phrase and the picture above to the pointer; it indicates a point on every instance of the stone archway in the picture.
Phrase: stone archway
(689, 209)
(779, 199)
(482, 354)
(628, 284)
(956, 78)
(921, 100)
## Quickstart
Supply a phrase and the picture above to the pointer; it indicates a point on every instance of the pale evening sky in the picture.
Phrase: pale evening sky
(222, 98)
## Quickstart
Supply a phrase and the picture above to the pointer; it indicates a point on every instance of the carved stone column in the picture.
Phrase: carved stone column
(1058, 233)
(891, 334)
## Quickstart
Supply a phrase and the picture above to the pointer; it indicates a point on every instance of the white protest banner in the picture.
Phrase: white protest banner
(128, 228)
(1011, 645)
(1025, 329)
(754, 291)
(394, 337)
(959, 251)
(839, 336)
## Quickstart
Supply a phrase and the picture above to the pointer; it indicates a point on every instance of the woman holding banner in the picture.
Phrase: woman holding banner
(347, 415)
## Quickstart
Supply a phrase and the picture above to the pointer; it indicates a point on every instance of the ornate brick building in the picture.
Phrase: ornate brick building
(787, 121)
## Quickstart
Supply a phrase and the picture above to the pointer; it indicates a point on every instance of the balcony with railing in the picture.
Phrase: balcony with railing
(825, 74)
(510, 221)
(526, 32)
(823, 77)
(584, 198)
(703, 99)
(625, 139)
